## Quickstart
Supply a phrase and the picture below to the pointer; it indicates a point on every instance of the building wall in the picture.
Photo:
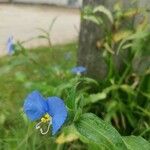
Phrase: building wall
(4, 0)
(61, 2)
(76, 3)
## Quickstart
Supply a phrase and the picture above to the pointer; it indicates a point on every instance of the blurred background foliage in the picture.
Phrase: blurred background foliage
(124, 97)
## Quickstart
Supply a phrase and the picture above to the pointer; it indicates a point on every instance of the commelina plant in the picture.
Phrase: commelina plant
(51, 110)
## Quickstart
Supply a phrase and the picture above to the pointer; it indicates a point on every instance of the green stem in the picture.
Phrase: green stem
(145, 131)
(60, 147)
(124, 74)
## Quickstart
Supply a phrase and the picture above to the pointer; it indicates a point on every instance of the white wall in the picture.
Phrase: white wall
(57, 2)
(4, 0)
(61, 2)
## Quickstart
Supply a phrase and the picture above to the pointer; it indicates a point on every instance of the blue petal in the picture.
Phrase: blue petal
(57, 111)
(35, 106)
(78, 69)
(10, 45)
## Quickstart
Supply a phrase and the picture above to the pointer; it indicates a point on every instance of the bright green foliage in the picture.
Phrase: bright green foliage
(123, 97)
(99, 132)
(102, 135)
(136, 143)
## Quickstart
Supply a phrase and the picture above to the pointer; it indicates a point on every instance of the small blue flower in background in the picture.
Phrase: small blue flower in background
(78, 70)
(10, 45)
(51, 110)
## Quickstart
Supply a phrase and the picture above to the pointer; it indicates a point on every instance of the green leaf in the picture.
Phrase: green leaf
(138, 35)
(78, 114)
(20, 76)
(68, 134)
(120, 35)
(89, 80)
(93, 98)
(4, 70)
(52, 24)
(104, 10)
(43, 31)
(127, 89)
(126, 46)
(136, 143)
(108, 48)
(60, 89)
(93, 18)
(146, 95)
(92, 146)
(101, 133)
(71, 96)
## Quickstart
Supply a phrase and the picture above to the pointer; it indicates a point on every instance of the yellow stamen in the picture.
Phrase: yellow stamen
(46, 118)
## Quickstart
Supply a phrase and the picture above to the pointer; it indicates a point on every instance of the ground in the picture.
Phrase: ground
(22, 21)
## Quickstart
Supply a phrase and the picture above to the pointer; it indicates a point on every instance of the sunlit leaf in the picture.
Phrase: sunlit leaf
(146, 95)
(104, 10)
(136, 143)
(69, 134)
(108, 48)
(94, 19)
(127, 89)
(99, 132)
(138, 35)
(89, 80)
(131, 13)
(93, 98)
(121, 35)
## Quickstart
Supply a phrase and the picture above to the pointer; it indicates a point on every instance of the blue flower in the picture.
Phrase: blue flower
(35, 106)
(78, 70)
(10, 45)
(57, 111)
(52, 110)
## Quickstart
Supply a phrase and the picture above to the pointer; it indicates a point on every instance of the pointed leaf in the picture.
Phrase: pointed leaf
(93, 98)
(94, 19)
(136, 143)
(104, 10)
(138, 35)
(99, 132)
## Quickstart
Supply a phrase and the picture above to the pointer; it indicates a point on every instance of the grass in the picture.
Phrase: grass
(43, 70)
